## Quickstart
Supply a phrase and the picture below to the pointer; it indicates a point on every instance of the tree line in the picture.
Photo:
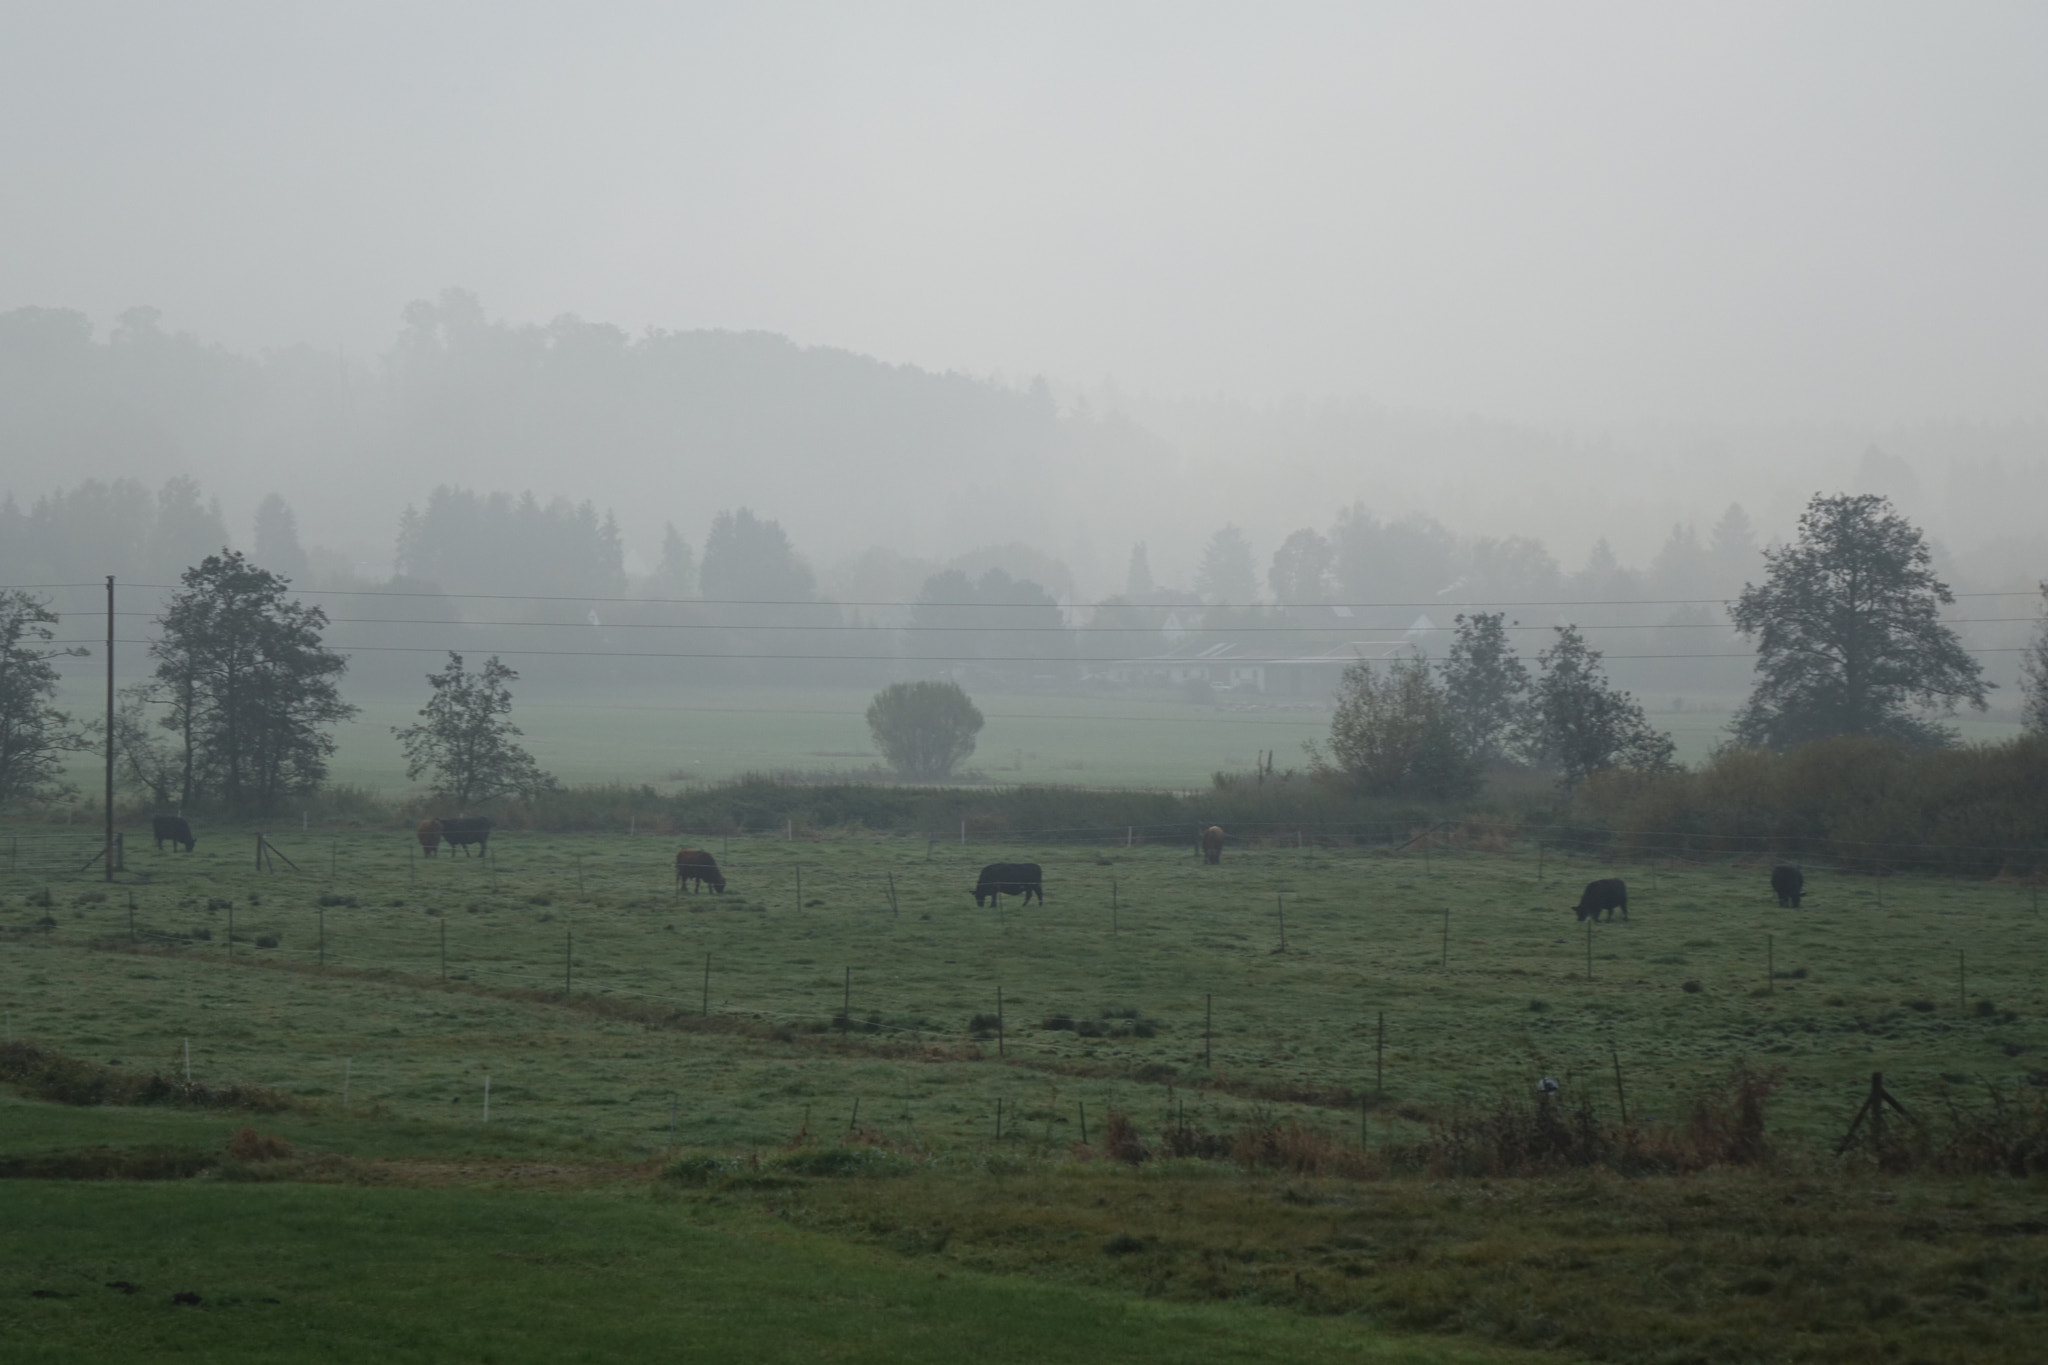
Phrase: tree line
(1847, 625)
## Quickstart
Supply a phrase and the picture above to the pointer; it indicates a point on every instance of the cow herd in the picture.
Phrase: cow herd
(696, 869)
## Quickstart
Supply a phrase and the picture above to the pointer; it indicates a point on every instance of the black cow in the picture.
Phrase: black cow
(694, 865)
(1790, 884)
(460, 831)
(174, 828)
(1010, 879)
(1609, 894)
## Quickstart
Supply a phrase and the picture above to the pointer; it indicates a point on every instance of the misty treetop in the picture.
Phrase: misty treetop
(1226, 574)
(277, 546)
(750, 559)
(468, 542)
(117, 527)
(1013, 625)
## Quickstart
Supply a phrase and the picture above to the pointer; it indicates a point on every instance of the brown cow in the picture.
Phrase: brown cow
(695, 865)
(429, 835)
(1212, 844)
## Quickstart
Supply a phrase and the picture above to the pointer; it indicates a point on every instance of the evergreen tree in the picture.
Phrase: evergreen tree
(1849, 632)
(750, 559)
(1300, 572)
(277, 538)
(1138, 584)
(1226, 574)
(677, 575)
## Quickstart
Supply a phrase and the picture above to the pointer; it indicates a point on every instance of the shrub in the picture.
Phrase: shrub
(249, 1145)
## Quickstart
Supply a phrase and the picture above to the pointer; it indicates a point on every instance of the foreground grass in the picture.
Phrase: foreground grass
(1729, 1266)
(336, 1273)
(457, 1254)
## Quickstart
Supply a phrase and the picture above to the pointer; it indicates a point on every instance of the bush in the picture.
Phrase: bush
(924, 729)
(844, 1160)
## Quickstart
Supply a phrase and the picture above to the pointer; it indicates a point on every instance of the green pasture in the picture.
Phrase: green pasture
(410, 1226)
(305, 1272)
(576, 980)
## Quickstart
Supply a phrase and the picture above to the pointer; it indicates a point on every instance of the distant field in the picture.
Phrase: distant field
(662, 737)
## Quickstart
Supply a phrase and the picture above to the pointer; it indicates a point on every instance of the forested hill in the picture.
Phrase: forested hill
(846, 450)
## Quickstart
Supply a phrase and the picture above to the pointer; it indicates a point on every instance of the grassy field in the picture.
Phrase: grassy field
(1477, 967)
(1149, 984)
(310, 1272)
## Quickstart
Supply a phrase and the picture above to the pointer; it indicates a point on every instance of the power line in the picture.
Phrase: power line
(1437, 603)
(1008, 630)
(1189, 661)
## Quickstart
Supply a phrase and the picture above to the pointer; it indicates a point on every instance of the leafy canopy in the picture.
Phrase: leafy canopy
(924, 729)
(1579, 723)
(34, 735)
(466, 741)
(249, 684)
(1849, 633)
(1394, 733)
(1486, 687)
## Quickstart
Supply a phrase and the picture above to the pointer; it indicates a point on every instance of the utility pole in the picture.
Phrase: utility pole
(108, 860)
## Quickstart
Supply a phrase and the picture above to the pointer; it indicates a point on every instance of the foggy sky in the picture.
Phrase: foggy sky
(1578, 213)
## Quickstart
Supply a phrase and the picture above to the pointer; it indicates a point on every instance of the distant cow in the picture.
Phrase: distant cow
(1609, 894)
(174, 828)
(695, 865)
(429, 835)
(463, 830)
(1212, 844)
(1010, 879)
(1790, 884)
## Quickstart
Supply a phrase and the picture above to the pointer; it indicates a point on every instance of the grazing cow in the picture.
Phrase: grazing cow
(174, 828)
(1790, 884)
(429, 835)
(1010, 879)
(1609, 894)
(695, 865)
(1212, 844)
(463, 830)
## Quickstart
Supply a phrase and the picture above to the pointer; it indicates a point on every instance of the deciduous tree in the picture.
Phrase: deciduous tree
(34, 734)
(924, 729)
(249, 685)
(1393, 733)
(1485, 686)
(1579, 723)
(1849, 633)
(466, 742)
